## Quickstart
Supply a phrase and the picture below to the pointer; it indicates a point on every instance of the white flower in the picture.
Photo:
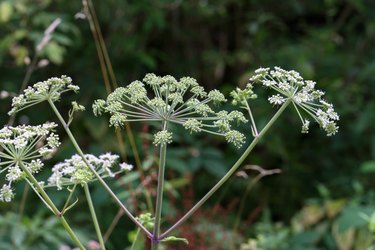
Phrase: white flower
(182, 102)
(162, 137)
(305, 126)
(75, 171)
(289, 85)
(14, 174)
(22, 147)
(125, 166)
(6, 193)
(193, 125)
(235, 137)
(42, 91)
(276, 99)
(35, 166)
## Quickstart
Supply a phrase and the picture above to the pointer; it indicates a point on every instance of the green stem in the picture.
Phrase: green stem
(230, 172)
(135, 239)
(159, 193)
(93, 216)
(254, 126)
(98, 177)
(69, 198)
(52, 206)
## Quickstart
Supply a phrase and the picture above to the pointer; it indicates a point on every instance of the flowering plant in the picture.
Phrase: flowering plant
(163, 101)
(181, 102)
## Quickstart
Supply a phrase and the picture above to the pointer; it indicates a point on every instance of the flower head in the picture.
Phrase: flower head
(240, 96)
(289, 85)
(42, 91)
(75, 170)
(166, 99)
(24, 146)
(162, 137)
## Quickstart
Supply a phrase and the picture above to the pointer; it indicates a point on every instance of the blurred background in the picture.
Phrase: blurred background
(324, 197)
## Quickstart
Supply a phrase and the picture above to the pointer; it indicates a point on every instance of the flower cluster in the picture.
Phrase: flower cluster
(182, 102)
(75, 170)
(23, 146)
(42, 91)
(289, 85)
(240, 96)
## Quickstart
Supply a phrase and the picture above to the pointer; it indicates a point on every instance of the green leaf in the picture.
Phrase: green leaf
(175, 239)
(368, 167)
(54, 52)
(6, 11)
(20, 54)
(351, 217)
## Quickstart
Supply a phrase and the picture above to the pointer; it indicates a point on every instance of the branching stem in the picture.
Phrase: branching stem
(99, 178)
(159, 193)
(229, 173)
(51, 205)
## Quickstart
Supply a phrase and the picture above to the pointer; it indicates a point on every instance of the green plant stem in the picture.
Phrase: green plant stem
(110, 84)
(230, 172)
(135, 239)
(254, 126)
(23, 201)
(159, 193)
(69, 198)
(113, 224)
(21, 211)
(99, 178)
(93, 216)
(52, 206)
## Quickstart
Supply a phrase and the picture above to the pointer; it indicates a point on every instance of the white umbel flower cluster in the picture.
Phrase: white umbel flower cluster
(24, 146)
(289, 85)
(42, 91)
(182, 102)
(75, 170)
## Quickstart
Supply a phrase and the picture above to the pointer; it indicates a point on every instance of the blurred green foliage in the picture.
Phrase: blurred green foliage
(220, 43)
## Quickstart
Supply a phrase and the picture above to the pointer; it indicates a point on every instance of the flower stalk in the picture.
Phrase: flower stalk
(159, 193)
(51, 205)
(181, 102)
(100, 179)
(233, 169)
(93, 216)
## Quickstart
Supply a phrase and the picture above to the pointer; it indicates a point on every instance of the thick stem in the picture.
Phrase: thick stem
(229, 173)
(99, 178)
(93, 216)
(159, 193)
(52, 206)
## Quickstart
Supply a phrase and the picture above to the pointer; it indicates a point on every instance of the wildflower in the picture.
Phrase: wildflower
(42, 91)
(24, 146)
(193, 125)
(75, 170)
(77, 107)
(162, 137)
(181, 102)
(240, 96)
(289, 85)
(235, 137)
(126, 166)
(276, 99)
(6, 193)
